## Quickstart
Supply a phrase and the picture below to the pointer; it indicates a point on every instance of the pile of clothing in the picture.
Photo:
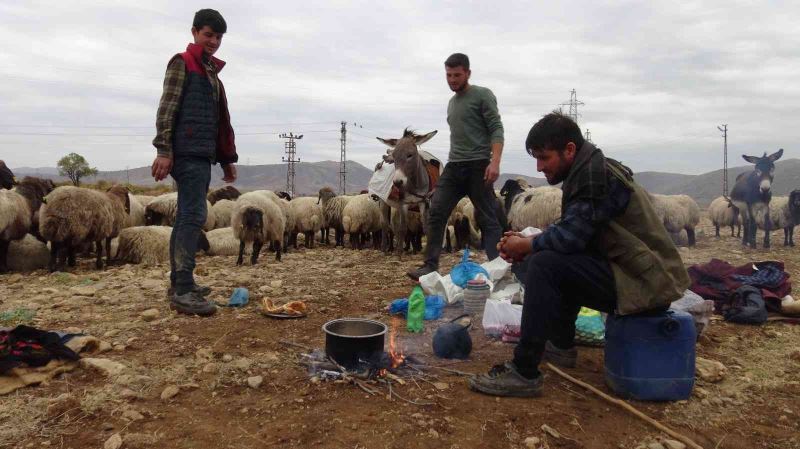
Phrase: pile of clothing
(743, 294)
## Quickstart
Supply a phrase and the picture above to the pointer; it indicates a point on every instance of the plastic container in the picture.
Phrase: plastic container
(416, 310)
(475, 296)
(651, 357)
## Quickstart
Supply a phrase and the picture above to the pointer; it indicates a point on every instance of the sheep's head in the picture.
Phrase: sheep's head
(7, 179)
(253, 218)
(285, 195)
(121, 193)
(152, 218)
(510, 190)
(325, 194)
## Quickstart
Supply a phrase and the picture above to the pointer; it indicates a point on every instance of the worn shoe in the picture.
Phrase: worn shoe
(192, 303)
(505, 380)
(199, 289)
(565, 358)
(416, 273)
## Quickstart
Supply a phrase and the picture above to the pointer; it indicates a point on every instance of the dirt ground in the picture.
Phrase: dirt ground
(756, 405)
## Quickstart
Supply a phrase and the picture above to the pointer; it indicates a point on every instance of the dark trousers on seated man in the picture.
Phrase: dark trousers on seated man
(556, 286)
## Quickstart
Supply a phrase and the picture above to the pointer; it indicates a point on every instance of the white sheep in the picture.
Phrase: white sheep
(144, 200)
(723, 213)
(536, 206)
(149, 245)
(780, 218)
(222, 210)
(71, 216)
(136, 216)
(15, 221)
(308, 216)
(259, 219)
(362, 215)
(162, 210)
(677, 212)
(223, 242)
(413, 230)
(28, 254)
(470, 224)
(332, 207)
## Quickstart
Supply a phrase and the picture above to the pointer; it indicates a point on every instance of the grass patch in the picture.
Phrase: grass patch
(16, 317)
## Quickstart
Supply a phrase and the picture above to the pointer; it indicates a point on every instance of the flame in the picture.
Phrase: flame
(395, 352)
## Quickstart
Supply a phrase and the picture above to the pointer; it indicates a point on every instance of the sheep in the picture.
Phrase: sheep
(144, 200)
(781, 216)
(468, 227)
(258, 218)
(15, 221)
(222, 213)
(223, 193)
(362, 215)
(723, 213)
(535, 206)
(34, 190)
(332, 207)
(28, 254)
(677, 212)
(288, 214)
(308, 217)
(71, 216)
(162, 210)
(149, 245)
(136, 217)
(223, 242)
(413, 232)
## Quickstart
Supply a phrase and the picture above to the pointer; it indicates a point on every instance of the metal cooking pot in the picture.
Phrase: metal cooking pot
(348, 339)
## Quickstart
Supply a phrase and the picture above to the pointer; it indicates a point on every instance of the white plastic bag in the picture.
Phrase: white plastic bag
(699, 308)
(380, 183)
(499, 314)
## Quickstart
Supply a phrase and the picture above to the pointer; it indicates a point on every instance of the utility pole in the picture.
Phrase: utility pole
(588, 135)
(128, 175)
(343, 160)
(724, 129)
(290, 147)
(573, 104)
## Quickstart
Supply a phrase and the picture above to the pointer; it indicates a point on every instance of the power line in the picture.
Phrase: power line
(573, 104)
(343, 161)
(724, 129)
(290, 147)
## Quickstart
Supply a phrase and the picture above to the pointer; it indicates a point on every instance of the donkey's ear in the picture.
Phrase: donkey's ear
(751, 159)
(776, 155)
(419, 140)
(388, 142)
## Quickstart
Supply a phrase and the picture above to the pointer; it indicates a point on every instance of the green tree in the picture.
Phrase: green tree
(75, 167)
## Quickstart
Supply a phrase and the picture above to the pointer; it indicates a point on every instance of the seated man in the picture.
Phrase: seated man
(609, 252)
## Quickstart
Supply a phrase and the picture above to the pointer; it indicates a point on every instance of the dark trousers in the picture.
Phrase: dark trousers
(192, 176)
(556, 286)
(459, 179)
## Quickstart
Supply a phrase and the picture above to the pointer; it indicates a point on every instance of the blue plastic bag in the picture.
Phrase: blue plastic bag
(239, 297)
(466, 271)
(433, 307)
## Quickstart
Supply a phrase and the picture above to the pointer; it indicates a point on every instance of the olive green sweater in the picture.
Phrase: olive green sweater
(474, 124)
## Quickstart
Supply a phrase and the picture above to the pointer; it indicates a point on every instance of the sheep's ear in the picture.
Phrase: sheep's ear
(419, 140)
(388, 142)
(750, 159)
(776, 155)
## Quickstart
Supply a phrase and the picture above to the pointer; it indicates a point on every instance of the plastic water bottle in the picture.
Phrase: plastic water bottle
(416, 310)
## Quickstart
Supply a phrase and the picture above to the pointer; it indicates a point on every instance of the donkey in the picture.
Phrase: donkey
(752, 192)
(411, 184)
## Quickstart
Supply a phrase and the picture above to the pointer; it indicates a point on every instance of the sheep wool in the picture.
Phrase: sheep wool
(273, 218)
(720, 213)
(676, 211)
(136, 216)
(308, 215)
(28, 254)
(147, 245)
(361, 215)
(223, 242)
(538, 207)
(779, 215)
(74, 215)
(15, 215)
(166, 206)
(222, 213)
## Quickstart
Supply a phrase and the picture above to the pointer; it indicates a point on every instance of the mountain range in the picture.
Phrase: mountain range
(311, 176)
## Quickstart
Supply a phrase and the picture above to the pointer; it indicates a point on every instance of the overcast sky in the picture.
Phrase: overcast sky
(656, 77)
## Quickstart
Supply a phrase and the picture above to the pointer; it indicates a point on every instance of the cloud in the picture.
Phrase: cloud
(656, 77)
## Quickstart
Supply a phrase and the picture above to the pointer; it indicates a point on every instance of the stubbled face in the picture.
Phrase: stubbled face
(406, 161)
(553, 164)
(208, 39)
(7, 179)
(457, 78)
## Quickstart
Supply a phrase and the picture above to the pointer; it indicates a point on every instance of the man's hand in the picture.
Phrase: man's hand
(492, 173)
(513, 247)
(229, 171)
(161, 167)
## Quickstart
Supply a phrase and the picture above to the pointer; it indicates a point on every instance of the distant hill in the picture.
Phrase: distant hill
(311, 176)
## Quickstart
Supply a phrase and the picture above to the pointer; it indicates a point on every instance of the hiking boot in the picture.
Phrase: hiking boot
(565, 358)
(416, 273)
(200, 290)
(192, 303)
(505, 380)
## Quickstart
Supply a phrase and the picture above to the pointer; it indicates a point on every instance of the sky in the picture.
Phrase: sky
(656, 78)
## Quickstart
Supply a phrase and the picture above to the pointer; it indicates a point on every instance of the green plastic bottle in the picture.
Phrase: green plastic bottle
(416, 310)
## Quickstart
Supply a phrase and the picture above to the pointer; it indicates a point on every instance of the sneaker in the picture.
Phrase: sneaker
(192, 303)
(565, 358)
(416, 273)
(505, 380)
(200, 290)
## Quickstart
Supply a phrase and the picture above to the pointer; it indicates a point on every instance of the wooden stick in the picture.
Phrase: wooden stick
(296, 345)
(447, 370)
(686, 440)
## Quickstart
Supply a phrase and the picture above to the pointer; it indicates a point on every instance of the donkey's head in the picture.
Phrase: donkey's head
(407, 162)
(7, 179)
(764, 171)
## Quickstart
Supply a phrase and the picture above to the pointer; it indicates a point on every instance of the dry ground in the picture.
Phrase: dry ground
(757, 405)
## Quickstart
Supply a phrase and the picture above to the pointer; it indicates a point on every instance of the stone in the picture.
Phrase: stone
(673, 444)
(104, 366)
(709, 370)
(113, 442)
(276, 283)
(532, 442)
(265, 289)
(795, 355)
(170, 392)
(14, 278)
(204, 354)
(127, 393)
(700, 392)
(211, 368)
(334, 293)
(132, 415)
(104, 346)
(73, 330)
(433, 433)
(173, 338)
(243, 364)
(441, 385)
(111, 333)
(227, 358)
(150, 315)
(83, 290)
(255, 381)
(655, 445)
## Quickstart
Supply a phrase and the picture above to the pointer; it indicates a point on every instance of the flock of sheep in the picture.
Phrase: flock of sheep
(136, 228)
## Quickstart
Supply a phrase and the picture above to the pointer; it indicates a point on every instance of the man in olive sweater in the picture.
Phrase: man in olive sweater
(476, 146)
